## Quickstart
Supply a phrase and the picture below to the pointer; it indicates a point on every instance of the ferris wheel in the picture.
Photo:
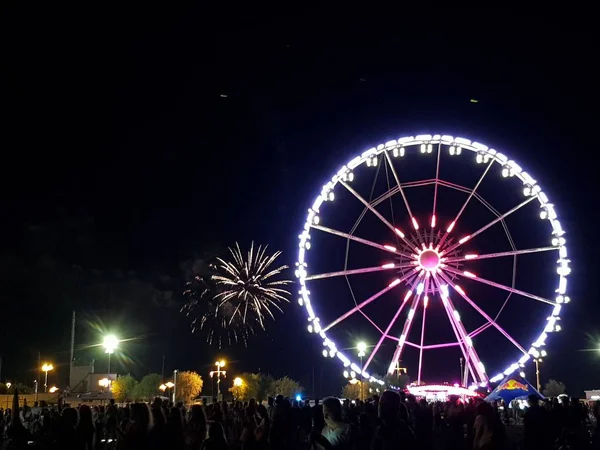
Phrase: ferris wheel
(432, 244)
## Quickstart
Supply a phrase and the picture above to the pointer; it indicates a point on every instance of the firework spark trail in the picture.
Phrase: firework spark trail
(237, 295)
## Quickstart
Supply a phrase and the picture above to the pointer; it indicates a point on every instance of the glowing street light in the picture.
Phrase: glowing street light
(220, 364)
(168, 385)
(46, 368)
(238, 382)
(104, 383)
(53, 389)
(362, 351)
(110, 344)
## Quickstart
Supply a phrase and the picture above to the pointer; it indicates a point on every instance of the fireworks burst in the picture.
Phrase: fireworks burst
(237, 296)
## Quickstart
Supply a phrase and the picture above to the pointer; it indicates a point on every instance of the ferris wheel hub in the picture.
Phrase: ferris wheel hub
(429, 260)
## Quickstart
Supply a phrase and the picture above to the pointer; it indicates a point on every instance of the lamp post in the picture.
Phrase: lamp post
(8, 385)
(362, 349)
(537, 362)
(110, 343)
(46, 368)
(220, 364)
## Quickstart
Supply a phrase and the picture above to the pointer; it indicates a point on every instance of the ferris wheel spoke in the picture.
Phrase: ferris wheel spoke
(492, 322)
(481, 329)
(404, 335)
(386, 222)
(468, 256)
(472, 276)
(340, 273)
(386, 248)
(459, 338)
(435, 189)
(471, 194)
(444, 345)
(425, 302)
(490, 224)
(395, 174)
(470, 353)
(358, 307)
(386, 332)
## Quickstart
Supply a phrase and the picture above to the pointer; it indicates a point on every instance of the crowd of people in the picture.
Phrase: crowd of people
(390, 421)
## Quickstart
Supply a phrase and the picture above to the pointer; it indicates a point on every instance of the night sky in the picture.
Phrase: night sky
(138, 143)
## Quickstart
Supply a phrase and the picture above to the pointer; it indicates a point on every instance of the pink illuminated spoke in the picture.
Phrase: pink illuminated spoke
(435, 189)
(389, 266)
(493, 222)
(385, 333)
(447, 344)
(374, 211)
(425, 302)
(501, 286)
(370, 299)
(485, 316)
(481, 329)
(412, 344)
(468, 345)
(472, 193)
(459, 339)
(393, 191)
(386, 248)
(471, 256)
(370, 321)
(387, 330)
(389, 160)
(404, 335)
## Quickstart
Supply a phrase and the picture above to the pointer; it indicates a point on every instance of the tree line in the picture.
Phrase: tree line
(127, 389)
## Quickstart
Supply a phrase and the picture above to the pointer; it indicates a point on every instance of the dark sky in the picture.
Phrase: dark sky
(124, 164)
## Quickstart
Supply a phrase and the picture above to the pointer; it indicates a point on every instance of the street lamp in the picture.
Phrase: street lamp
(53, 389)
(46, 368)
(8, 385)
(238, 382)
(104, 383)
(110, 343)
(362, 349)
(220, 364)
(537, 362)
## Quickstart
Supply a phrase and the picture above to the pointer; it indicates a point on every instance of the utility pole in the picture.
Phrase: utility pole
(162, 373)
(537, 372)
(72, 360)
(175, 385)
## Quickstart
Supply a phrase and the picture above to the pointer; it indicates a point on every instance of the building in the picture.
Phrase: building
(593, 395)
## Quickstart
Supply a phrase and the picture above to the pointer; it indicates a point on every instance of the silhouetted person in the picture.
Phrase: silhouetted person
(536, 425)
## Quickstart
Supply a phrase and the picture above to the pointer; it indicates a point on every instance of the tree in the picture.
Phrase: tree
(22, 388)
(266, 387)
(148, 387)
(189, 386)
(240, 392)
(287, 387)
(258, 386)
(124, 388)
(554, 388)
(351, 391)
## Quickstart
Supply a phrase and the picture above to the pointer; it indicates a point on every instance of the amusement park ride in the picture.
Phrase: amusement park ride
(428, 258)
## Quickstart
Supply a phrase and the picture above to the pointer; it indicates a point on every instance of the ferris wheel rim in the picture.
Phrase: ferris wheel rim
(531, 190)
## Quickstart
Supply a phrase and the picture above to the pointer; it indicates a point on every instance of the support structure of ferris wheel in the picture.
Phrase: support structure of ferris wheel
(429, 258)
